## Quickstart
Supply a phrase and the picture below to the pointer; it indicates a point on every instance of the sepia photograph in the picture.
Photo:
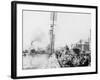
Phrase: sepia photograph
(53, 39)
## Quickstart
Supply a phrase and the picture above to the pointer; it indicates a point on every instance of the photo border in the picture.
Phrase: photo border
(14, 38)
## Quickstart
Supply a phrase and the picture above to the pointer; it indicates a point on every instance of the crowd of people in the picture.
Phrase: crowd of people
(66, 57)
(73, 57)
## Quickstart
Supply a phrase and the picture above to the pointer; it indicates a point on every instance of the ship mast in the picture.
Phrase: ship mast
(53, 18)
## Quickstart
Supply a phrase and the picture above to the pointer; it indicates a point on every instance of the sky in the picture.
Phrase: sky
(69, 28)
